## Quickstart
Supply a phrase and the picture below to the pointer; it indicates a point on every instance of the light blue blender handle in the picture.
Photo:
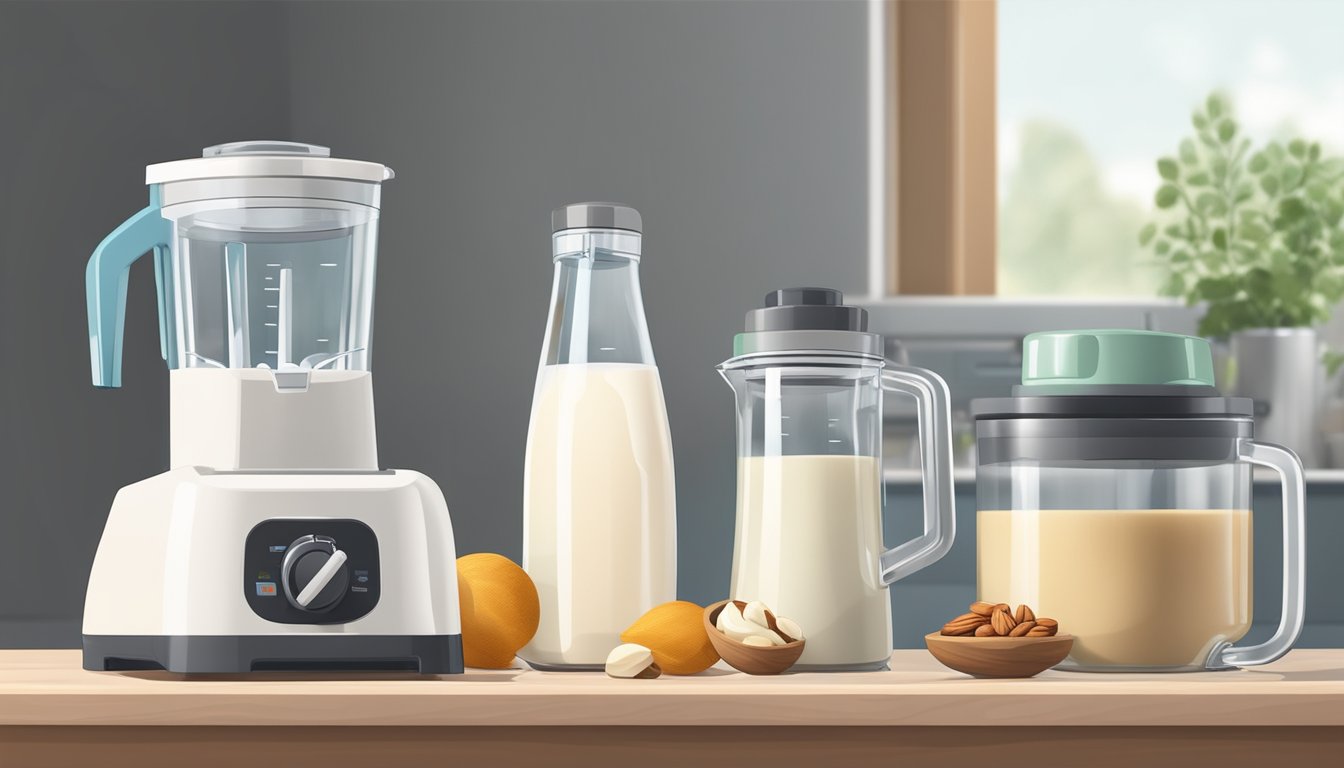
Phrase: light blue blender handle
(105, 287)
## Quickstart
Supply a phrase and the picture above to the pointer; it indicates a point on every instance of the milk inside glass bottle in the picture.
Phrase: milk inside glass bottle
(599, 507)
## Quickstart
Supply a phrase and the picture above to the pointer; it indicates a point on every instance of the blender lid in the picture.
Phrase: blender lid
(262, 159)
(807, 320)
(1114, 373)
(1115, 357)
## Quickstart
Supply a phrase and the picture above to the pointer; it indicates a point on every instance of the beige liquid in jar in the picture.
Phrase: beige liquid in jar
(1142, 588)
(599, 538)
(808, 539)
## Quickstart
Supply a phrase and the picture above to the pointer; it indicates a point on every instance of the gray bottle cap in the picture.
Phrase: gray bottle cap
(807, 319)
(596, 216)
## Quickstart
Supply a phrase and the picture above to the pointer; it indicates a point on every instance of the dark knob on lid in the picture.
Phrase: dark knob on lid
(816, 297)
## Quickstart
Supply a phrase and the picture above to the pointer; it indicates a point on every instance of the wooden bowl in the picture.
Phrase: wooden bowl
(999, 656)
(750, 658)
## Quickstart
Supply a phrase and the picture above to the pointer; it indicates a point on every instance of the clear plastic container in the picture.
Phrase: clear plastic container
(1114, 496)
(809, 382)
(599, 500)
(264, 254)
(266, 283)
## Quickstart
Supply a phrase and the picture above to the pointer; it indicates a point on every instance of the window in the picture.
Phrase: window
(1092, 92)
(1021, 136)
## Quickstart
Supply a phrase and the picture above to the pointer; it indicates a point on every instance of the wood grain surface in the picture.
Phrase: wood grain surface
(48, 688)
(650, 747)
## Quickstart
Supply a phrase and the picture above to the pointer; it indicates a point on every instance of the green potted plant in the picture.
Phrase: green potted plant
(1255, 237)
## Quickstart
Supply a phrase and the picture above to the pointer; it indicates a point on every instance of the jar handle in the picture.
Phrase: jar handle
(1289, 468)
(935, 450)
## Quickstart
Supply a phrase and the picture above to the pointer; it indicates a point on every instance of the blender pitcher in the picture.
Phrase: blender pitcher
(809, 381)
(1114, 495)
(264, 255)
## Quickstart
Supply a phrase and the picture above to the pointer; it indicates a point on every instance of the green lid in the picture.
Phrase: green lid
(1115, 357)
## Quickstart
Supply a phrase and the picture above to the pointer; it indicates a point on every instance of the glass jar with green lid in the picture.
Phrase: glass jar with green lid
(1113, 495)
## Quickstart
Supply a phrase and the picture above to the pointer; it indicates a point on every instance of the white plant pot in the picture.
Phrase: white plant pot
(1280, 368)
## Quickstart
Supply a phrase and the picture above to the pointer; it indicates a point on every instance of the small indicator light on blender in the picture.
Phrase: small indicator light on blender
(279, 547)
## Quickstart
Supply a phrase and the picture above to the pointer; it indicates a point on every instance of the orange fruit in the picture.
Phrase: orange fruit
(675, 632)
(500, 609)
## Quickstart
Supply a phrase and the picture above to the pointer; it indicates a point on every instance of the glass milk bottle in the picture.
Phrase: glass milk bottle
(599, 506)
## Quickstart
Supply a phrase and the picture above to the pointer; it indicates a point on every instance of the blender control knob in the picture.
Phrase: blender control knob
(314, 574)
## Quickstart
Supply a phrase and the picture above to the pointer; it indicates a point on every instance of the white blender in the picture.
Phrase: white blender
(274, 541)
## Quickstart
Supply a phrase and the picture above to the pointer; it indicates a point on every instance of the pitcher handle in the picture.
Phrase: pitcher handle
(1289, 469)
(105, 281)
(935, 448)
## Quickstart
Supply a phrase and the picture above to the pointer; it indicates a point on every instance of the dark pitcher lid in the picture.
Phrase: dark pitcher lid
(807, 320)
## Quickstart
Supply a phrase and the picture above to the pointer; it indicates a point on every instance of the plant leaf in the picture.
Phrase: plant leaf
(1215, 105)
(1226, 130)
(1211, 204)
(1290, 175)
(1146, 234)
(1168, 169)
(1166, 196)
(1258, 163)
(1189, 154)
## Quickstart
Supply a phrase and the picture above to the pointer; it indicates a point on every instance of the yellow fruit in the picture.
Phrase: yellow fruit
(500, 609)
(675, 632)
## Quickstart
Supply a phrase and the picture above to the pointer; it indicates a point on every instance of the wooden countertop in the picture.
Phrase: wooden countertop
(47, 687)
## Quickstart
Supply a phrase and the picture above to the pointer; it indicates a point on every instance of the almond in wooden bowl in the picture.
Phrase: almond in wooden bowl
(999, 656)
(752, 659)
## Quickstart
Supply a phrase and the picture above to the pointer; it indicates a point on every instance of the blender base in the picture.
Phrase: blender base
(216, 654)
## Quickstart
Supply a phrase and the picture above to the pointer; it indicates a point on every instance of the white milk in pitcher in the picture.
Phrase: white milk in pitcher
(599, 536)
(808, 542)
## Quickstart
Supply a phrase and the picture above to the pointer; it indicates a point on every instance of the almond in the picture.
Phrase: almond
(1051, 623)
(772, 621)
(985, 630)
(1002, 621)
(981, 608)
(969, 617)
(1024, 614)
(1006, 608)
(1022, 629)
(961, 627)
(1040, 631)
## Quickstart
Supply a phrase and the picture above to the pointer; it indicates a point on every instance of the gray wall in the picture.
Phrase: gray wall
(736, 127)
(90, 94)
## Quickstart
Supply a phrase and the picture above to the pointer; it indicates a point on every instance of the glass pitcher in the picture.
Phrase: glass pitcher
(1113, 495)
(809, 381)
(264, 256)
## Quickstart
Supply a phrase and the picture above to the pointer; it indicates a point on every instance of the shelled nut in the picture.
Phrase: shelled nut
(632, 661)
